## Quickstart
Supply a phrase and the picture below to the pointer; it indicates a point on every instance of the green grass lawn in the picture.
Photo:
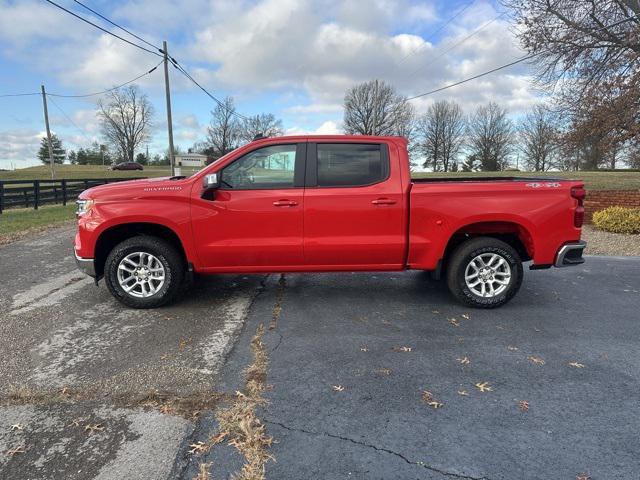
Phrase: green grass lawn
(622, 180)
(42, 172)
(15, 222)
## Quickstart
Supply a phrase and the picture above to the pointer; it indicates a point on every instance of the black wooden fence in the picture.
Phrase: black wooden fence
(34, 193)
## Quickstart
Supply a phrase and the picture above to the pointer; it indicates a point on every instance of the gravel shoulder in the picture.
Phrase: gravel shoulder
(605, 243)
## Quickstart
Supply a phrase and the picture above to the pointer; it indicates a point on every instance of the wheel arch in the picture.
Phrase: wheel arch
(510, 232)
(115, 234)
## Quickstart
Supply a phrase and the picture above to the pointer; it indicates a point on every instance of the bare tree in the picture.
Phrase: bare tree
(539, 136)
(125, 115)
(441, 132)
(490, 137)
(374, 108)
(588, 53)
(223, 133)
(263, 123)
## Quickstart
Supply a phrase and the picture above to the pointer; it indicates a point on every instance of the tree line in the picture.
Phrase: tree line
(446, 138)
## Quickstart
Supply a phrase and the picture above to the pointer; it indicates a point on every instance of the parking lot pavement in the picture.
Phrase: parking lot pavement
(352, 355)
(77, 367)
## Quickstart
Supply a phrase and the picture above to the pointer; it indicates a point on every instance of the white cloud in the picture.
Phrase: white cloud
(19, 147)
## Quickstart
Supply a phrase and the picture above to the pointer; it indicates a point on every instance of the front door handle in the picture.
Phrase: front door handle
(384, 201)
(285, 203)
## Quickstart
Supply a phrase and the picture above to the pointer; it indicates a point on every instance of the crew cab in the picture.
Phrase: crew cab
(326, 204)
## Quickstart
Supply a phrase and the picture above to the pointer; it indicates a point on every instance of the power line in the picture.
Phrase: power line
(501, 67)
(433, 34)
(457, 44)
(117, 26)
(102, 29)
(173, 60)
(86, 94)
(18, 94)
(219, 102)
(107, 90)
(474, 77)
(69, 118)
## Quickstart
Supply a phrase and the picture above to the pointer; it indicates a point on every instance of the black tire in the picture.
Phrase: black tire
(165, 253)
(468, 251)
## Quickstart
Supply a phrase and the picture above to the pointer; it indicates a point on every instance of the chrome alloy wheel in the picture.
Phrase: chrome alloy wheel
(141, 274)
(487, 275)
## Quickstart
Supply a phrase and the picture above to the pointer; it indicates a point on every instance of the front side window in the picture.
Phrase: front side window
(267, 167)
(350, 164)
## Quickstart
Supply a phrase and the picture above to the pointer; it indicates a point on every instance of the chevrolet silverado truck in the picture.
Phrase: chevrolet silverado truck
(325, 204)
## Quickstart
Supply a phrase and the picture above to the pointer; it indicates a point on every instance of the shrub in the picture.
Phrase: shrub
(618, 220)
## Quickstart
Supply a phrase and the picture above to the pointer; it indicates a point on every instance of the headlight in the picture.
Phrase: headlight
(83, 207)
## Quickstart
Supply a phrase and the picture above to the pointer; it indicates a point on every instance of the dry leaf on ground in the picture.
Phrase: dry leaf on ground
(92, 428)
(203, 472)
(198, 447)
(536, 360)
(484, 387)
(401, 349)
(16, 450)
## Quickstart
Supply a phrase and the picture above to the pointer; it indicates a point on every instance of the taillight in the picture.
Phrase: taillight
(578, 193)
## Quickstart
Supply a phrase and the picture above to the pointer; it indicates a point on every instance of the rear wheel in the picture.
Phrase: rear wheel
(484, 272)
(144, 272)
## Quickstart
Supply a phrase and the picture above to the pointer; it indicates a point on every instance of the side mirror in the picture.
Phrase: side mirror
(211, 181)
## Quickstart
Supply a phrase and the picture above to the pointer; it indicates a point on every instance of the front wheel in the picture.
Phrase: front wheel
(144, 272)
(484, 272)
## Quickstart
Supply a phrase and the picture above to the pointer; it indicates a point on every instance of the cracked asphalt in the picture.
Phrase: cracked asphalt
(349, 330)
(350, 359)
(60, 333)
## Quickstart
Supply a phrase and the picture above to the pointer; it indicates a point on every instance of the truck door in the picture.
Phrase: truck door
(353, 207)
(254, 220)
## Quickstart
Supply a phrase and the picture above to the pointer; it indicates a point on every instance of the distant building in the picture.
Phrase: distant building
(191, 160)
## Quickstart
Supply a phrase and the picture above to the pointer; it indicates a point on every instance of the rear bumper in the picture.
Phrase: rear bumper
(570, 254)
(85, 265)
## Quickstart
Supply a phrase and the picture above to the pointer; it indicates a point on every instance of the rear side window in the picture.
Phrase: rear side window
(351, 164)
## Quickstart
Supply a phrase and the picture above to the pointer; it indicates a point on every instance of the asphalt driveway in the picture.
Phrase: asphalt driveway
(369, 375)
(89, 389)
(352, 355)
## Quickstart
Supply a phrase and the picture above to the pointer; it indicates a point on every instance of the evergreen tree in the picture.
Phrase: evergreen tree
(59, 153)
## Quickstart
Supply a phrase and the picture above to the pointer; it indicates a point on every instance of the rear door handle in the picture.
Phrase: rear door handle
(285, 203)
(384, 201)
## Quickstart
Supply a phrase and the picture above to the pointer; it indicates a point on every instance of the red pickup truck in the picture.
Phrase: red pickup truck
(326, 203)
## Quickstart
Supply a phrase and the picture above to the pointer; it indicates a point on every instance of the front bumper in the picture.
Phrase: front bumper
(570, 254)
(85, 265)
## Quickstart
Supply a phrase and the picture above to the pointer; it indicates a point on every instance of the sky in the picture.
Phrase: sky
(292, 58)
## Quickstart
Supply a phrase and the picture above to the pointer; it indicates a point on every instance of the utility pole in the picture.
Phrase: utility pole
(46, 122)
(168, 95)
